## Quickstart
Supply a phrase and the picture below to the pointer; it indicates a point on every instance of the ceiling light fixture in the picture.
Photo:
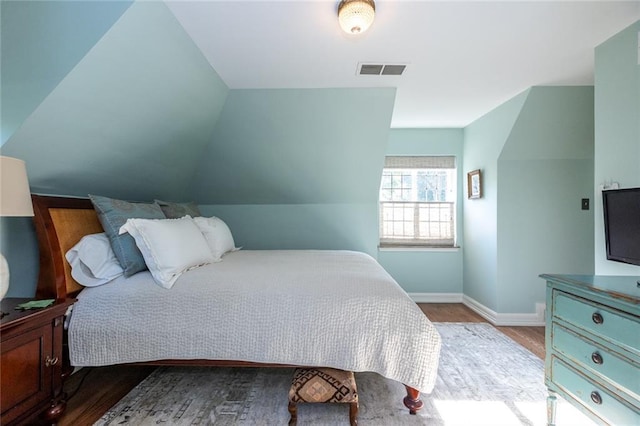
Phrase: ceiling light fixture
(355, 16)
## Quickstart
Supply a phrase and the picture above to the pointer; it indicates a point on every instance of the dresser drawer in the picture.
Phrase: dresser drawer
(592, 396)
(607, 323)
(620, 372)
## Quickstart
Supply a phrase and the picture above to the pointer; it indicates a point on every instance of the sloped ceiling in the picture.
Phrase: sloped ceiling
(127, 104)
(540, 134)
(130, 119)
(143, 115)
(42, 42)
(297, 146)
(464, 57)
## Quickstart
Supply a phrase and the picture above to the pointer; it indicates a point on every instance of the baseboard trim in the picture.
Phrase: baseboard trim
(436, 297)
(495, 318)
(511, 319)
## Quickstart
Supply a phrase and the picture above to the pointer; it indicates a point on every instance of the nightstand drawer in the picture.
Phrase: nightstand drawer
(618, 371)
(608, 324)
(592, 396)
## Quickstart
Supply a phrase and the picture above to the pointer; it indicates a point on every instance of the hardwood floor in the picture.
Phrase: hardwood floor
(449, 312)
(531, 338)
(92, 396)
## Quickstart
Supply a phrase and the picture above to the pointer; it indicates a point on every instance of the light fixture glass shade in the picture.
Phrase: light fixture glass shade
(355, 16)
(15, 196)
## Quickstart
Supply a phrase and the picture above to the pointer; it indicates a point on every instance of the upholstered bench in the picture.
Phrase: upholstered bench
(323, 385)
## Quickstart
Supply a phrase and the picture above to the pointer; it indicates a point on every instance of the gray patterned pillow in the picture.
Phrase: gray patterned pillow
(113, 214)
(178, 210)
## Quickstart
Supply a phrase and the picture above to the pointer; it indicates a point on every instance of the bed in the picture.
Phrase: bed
(318, 308)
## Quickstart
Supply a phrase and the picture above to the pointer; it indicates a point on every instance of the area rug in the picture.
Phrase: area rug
(484, 378)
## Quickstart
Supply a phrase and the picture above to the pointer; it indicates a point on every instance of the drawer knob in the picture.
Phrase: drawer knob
(596, 358)
(597, 318)
(596, 398)
(50, 361)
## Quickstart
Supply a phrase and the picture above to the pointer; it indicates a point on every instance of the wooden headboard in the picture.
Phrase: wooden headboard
(60, 223)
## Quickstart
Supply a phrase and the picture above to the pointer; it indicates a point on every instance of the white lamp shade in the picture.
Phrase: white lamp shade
(15, 196)
(355, 16)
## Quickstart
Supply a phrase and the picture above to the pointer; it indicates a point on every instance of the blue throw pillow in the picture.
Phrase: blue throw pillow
(178, 210)
(112, 215)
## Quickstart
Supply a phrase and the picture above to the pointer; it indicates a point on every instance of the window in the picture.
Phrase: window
(417, 201)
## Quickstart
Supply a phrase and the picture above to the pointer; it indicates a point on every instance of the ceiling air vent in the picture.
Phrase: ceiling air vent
(380, 69)
(393, 69)
(367, 69)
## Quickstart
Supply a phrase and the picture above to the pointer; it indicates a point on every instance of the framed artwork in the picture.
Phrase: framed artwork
(474, 184)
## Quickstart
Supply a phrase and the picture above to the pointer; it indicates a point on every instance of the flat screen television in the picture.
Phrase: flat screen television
(622, 224)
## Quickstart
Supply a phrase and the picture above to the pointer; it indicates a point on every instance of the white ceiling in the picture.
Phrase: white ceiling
(464, 57)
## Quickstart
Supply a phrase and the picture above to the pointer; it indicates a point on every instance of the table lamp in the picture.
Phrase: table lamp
(15, 200)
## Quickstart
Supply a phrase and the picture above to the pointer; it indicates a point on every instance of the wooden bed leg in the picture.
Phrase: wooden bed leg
(412, 401)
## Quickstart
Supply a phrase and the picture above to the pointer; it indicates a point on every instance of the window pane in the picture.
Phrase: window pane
(417, 206)
(406, 181)
(408, 213)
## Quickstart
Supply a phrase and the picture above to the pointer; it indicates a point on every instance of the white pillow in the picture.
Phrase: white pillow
(217, 234)
(93, 261)
(169, 246)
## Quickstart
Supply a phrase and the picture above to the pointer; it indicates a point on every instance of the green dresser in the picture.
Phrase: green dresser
(593, 346)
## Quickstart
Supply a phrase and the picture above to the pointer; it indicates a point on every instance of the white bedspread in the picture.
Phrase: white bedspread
(336, 309)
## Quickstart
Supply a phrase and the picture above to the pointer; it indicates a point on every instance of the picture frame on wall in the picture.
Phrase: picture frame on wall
(474, 184)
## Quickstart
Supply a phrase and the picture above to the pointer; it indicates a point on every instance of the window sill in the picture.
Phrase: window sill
(418, 248)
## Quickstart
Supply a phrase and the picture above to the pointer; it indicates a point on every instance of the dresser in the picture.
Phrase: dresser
(593, 346)
(31, 363)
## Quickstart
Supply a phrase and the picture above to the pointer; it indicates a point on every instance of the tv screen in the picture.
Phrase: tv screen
(622, 224)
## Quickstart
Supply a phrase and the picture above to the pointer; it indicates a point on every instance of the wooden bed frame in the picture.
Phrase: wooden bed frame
(60, 223)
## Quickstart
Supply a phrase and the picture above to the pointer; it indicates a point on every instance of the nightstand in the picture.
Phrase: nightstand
(31, 363)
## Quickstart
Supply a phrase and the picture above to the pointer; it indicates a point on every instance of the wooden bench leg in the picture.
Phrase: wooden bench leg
(293, 410)
(353, 413)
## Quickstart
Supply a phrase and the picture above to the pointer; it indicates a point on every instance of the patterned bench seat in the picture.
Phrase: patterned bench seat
(323, 385)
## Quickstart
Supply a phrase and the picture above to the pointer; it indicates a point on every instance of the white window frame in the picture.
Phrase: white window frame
(429, 223)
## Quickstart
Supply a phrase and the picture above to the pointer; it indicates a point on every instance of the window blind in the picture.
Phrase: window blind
(420, 162)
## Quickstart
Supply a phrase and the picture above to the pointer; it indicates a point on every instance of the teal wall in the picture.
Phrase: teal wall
(298, 168)
(484, 140)
(617, 130)
(130, 119)
(296, 146)
(529, 220)
(41, 41)
(301, 226)
(544, 169)
(428, 271)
